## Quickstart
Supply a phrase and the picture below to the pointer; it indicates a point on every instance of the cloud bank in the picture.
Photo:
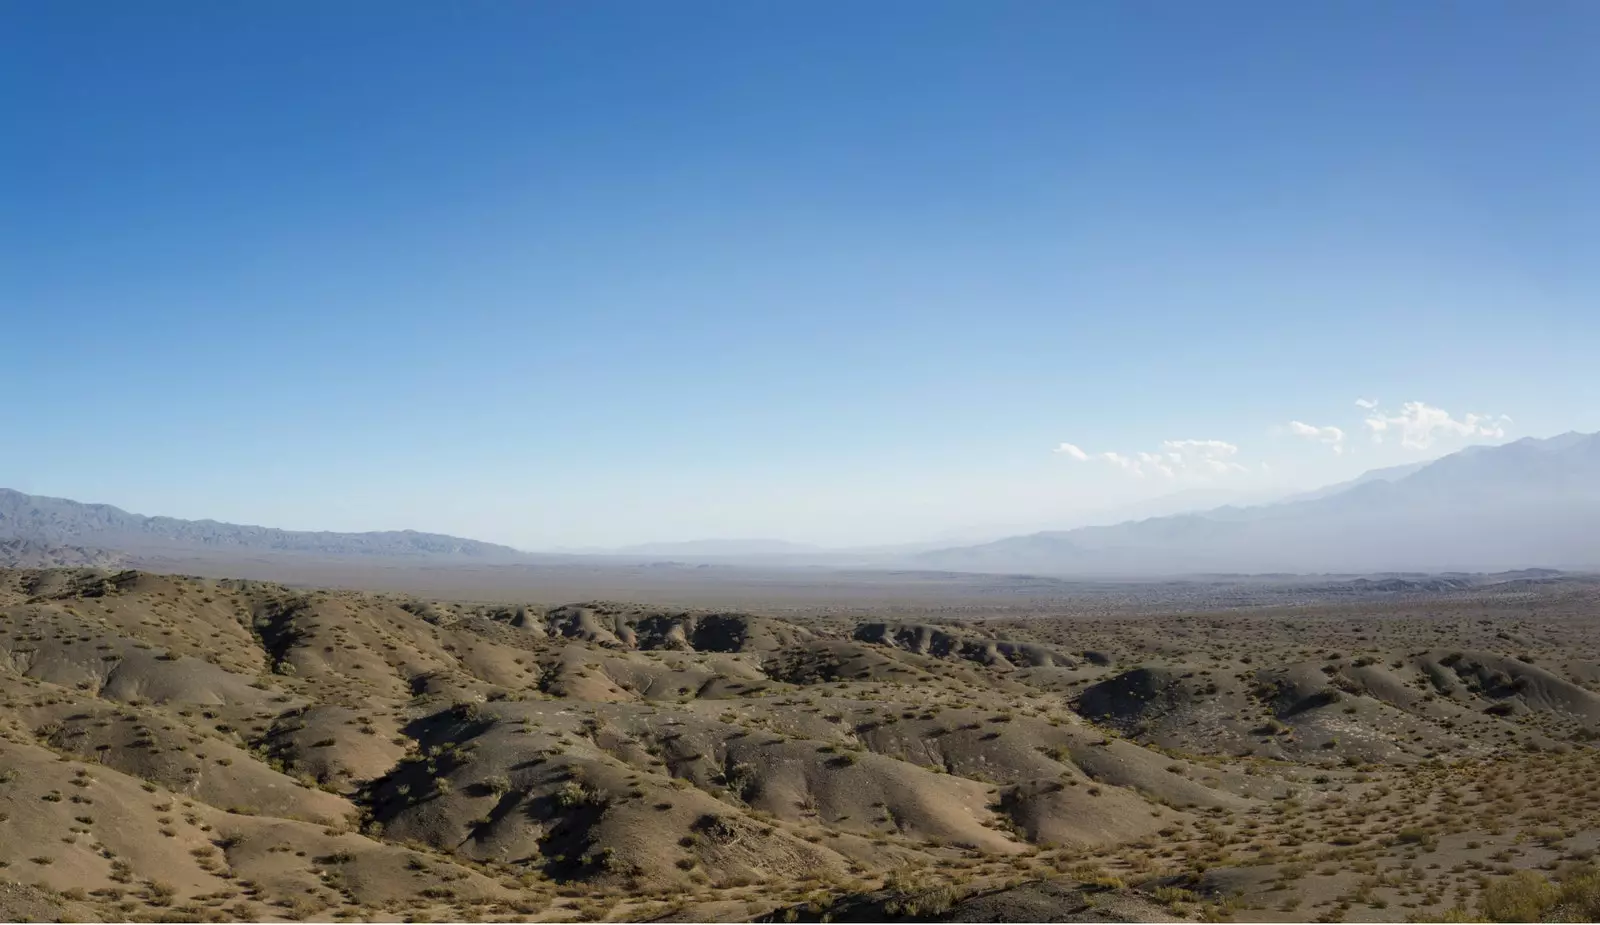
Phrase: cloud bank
(1417, 425)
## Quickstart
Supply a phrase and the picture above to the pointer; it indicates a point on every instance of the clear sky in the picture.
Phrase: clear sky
(568, 273)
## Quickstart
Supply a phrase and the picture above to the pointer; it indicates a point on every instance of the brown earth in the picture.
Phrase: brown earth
(201, 749)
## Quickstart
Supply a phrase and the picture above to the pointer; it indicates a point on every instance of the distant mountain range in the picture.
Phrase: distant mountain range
(775, 552)
(57, 522)
(1388, 474)
(1532, 503)
(20, 553)
(1528, 503)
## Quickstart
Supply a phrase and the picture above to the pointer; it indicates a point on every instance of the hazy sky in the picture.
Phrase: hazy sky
(562, 273)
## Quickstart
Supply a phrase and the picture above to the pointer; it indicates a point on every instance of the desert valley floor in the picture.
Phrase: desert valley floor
(213, 749)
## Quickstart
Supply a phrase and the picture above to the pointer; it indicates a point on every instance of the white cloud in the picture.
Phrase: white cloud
(1330, 435)
(1175, 458)
(1140, 464)
(1213, 455)
(1366, 403)
(1418, 425)
(1125, 463)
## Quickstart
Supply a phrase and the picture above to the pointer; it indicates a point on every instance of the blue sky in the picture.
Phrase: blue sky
(588, 273)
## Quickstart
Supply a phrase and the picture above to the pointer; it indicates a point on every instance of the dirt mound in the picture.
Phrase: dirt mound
(941, 642)
(1494, 677)
(1178, 706)
(1135, 697)
(1372, 708)
(628, 627)
(828, 660)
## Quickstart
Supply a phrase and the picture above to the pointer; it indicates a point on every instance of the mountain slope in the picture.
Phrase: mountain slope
(1528, 503)
(1387, 474)
(60, 522)
(21, 553)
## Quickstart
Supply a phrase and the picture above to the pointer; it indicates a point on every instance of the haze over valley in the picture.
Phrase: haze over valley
(1529, 503)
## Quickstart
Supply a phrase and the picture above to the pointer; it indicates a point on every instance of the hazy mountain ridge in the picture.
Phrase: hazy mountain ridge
(1386, 474)
(1484, 509)
(62, 522)
(1527, 503)
(785, 553)
(23, 553)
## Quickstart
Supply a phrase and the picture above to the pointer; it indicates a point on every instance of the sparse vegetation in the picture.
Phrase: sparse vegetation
(587, 740)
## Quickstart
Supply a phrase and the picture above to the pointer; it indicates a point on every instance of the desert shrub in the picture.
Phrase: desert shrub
(742, 779)
(914, 895)
(1525, 896)
(1579, 894)
(1093, 874)
(572, 795)
(926, 904)
(159, 893)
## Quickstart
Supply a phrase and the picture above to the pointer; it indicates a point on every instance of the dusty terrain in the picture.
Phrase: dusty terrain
(998, 750)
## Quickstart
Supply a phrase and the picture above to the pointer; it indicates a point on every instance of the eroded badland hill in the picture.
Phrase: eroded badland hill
(196, 749)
